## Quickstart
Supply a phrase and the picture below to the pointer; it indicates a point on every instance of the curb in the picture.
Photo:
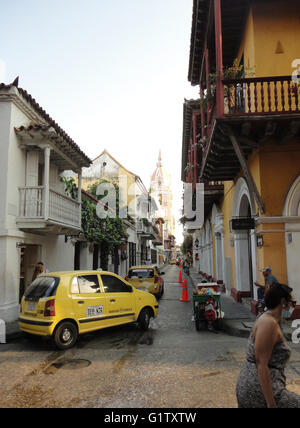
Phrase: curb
(234, 328)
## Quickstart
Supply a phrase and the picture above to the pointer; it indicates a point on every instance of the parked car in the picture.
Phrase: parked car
(173, 262)
(64, 305)
(148, 278)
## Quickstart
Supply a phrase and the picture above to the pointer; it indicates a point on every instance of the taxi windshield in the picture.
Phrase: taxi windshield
(141, 273)
(42, 287)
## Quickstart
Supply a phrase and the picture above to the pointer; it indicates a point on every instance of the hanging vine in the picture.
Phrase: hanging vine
(107, 233)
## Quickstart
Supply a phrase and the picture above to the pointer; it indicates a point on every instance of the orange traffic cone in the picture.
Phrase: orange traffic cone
(184, 297)
(180, 277)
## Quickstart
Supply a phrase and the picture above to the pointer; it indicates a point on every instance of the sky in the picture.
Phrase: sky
(111, 73)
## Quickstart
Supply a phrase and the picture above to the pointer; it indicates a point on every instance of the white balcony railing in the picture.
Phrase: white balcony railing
(64, 209)
(140, 227)
(36, 205)
(145, 230)
(31, 202)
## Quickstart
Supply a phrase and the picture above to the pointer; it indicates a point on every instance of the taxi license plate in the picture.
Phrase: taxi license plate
(31, 306)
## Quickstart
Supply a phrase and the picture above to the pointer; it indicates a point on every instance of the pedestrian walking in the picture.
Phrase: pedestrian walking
(186, 267)
(262, 382)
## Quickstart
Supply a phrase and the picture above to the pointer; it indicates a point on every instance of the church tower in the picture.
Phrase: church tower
(160, 189)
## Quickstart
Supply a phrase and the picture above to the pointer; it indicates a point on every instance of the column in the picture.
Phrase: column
(47, 151)
(208, 87)
(219, 58)
(79, 195)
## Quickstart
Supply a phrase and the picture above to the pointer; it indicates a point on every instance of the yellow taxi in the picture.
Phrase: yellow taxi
(148, 278)
(64, 305)
(173, 262)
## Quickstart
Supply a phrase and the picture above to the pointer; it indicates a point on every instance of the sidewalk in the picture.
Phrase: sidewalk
(238, 319)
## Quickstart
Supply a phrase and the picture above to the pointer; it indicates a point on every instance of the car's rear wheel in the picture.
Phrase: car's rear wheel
(144, 319)
(65, 336)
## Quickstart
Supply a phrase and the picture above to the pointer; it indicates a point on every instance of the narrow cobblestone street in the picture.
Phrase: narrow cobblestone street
(169, 366)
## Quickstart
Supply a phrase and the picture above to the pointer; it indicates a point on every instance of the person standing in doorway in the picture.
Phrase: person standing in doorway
(42, 267)
(39, 270)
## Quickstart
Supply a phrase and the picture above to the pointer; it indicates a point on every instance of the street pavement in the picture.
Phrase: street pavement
(169, 366)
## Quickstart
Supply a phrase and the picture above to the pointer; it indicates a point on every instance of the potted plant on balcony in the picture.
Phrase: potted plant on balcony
(188, 168)
(232, 91)
(146, 222)
(208, 98)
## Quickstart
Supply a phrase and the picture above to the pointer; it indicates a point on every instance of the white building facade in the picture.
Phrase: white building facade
(37, 218)
(135, 207)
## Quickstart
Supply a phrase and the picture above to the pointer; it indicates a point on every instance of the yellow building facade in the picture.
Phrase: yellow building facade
(252, 142)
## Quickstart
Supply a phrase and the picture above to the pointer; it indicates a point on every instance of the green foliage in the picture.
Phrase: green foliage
(108, 232)
(146, 222)
(237, 71)
(187, 244)
(70, 187)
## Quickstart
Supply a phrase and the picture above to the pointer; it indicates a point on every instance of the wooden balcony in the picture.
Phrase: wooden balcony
(254, 109)
(261, 96)
(42, 211)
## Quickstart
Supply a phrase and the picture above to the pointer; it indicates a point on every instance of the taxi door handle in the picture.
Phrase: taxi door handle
(112, 300)
(80, 302)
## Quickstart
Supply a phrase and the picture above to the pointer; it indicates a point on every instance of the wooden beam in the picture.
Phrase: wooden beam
(241, 157)
(248, 142)
(229, 148)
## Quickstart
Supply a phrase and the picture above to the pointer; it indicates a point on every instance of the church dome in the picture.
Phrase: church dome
(160, 175)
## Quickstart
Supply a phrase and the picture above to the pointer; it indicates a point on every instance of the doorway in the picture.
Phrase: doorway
(244, 241)
(292, 229)
(96, 257)
(77, 255)
(243, 253)
(30, 256)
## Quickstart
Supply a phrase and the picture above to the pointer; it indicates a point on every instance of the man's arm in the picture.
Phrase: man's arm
(259, 285)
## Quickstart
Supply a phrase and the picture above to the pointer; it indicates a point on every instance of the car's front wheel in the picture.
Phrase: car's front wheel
(65, 336)
(144, 319)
